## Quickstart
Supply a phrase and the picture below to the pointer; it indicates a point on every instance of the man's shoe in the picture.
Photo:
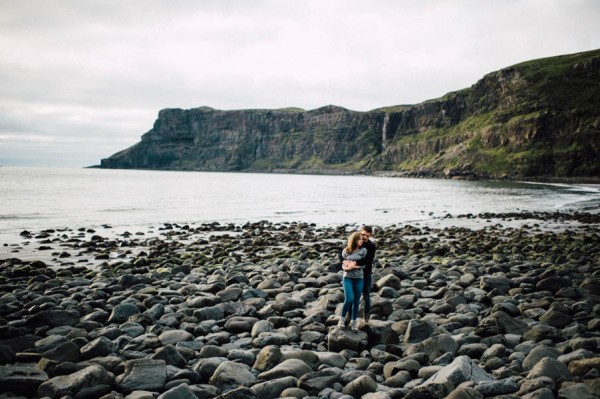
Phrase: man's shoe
(354, 326)
(341, 323)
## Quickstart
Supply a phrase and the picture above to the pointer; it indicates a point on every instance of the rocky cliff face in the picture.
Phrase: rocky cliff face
(539, 119)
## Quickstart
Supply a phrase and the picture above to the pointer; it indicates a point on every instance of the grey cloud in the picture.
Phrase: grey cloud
(97, 72)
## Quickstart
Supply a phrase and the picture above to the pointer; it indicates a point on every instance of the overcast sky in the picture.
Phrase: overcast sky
(81, 80)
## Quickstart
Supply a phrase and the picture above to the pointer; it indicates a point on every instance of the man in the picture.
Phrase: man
(366, 232)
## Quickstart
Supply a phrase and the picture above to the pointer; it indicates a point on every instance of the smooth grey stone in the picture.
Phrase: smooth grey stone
(230, 375)
(315, 382)
(360, 386)
(549, 367)
(101, 346)
(460, 370)
(542, 393)
(206, 367)
(534, 384)
(298, 393)
(270, 338)
(398, 380)
(122, 312)
(240, 324)
(73, 383)
(142, 395)
(172, 337)
(537, 354)
(474, 351)
(205, 391)
(290, 367)
(242, 356)
(144, 374)
(181, 391)
(65, 352)
(496, 388)
(261, 326)
(410, 365)
(272, 389)
(489, 283)
(170, 355)
(231, 294)
(419, 331)
(576, 390)
(332, 359)
(50, 342)
(132, 329)
(21, 380)
(556, 319)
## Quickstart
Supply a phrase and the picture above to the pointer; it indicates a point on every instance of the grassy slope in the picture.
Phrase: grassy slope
(552, 85)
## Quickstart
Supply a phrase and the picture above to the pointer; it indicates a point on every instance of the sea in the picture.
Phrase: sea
(36, 199)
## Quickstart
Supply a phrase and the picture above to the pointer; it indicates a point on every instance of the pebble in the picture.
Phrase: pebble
(250, 311)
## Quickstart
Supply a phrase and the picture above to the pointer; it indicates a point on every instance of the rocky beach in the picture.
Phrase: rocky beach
(249, 311)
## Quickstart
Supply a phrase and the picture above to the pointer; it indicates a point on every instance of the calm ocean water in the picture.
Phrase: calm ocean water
(39, 198)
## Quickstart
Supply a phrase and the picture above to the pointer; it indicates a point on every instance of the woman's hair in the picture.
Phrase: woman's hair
(353, 242)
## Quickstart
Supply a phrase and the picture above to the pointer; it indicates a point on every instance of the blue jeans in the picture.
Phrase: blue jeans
(352, 290)
(366, 292)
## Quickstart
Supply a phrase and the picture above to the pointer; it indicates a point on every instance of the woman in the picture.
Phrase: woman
(353, 279)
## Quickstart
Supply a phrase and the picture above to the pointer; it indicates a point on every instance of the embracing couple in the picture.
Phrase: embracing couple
(357, 264)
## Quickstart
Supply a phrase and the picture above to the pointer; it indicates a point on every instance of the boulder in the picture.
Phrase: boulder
(290, 367)
(69, 385)
(230, 375)
(552, 368)
(340, 339)
(360, 386)
(122, 312)
(21, 380)
(143, 374)
(273, 388)
(460, 370)
(315, 382)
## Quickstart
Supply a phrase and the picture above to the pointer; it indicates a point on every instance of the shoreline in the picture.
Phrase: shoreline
(60, 247)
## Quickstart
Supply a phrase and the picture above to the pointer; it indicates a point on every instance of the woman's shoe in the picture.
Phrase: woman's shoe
(341, 323)
(354, 326)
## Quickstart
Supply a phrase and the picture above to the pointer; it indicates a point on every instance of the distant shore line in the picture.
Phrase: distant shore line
(449, 175)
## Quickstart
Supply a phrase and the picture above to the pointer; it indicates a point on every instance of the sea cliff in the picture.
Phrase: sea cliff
(537, 120)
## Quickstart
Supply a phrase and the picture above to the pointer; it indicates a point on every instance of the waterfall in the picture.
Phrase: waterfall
(386, 120)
